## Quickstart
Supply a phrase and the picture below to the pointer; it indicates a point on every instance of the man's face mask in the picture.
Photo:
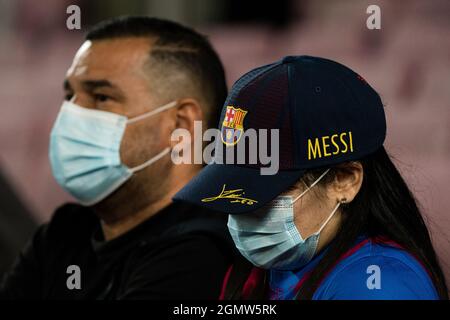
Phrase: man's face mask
(269, 238)
(85, 151)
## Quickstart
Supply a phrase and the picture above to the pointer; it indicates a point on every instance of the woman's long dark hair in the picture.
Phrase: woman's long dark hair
(383, 207)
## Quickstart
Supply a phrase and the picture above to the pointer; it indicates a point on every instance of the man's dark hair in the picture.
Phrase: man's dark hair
(176, 50)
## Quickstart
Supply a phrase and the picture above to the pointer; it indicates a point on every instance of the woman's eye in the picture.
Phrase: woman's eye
(101, 97)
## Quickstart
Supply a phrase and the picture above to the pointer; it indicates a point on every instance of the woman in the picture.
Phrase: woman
(337, 220)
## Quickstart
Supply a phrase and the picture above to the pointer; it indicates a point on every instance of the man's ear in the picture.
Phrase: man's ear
(188, 111)
(347, 182)
(186, 133)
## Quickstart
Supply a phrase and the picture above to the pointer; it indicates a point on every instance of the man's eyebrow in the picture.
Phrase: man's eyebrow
(90, 85)
(94, 84)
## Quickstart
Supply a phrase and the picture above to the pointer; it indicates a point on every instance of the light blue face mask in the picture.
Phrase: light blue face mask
(85, 151)
(269, 239)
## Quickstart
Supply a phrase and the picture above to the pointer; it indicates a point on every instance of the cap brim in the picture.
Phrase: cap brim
(235, 189)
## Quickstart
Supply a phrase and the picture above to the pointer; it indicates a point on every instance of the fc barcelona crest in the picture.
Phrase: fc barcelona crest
(232, 125)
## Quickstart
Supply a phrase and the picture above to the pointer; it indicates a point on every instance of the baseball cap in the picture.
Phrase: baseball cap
(324, 112)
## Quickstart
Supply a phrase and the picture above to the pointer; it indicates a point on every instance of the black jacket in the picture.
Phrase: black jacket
(182, 252)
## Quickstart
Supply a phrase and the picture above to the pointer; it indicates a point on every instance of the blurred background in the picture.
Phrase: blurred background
(407, 61)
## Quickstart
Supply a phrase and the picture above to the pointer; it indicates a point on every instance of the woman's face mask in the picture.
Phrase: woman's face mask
(269, 239)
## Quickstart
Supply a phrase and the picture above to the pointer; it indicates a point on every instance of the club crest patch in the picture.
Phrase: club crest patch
(232, 125)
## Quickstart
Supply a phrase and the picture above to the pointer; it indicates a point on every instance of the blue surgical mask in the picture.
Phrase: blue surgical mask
(268, 237)
(85, 151)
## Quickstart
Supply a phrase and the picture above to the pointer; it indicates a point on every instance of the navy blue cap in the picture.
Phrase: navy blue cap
(326, 114)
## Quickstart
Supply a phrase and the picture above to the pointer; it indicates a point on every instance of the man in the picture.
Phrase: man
(132, 82)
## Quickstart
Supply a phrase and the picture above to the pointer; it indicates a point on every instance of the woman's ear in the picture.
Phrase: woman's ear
(347, 182)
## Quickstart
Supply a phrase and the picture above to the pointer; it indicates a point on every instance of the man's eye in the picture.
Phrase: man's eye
(101, 97)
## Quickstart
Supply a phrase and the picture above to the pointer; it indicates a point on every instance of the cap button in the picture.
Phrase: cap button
(289, 59)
